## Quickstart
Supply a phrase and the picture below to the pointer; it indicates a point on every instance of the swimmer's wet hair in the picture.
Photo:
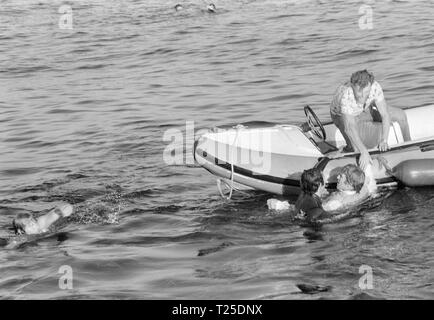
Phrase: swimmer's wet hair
(18, 223)
(362, 78)
(354, 176)
(310, 180)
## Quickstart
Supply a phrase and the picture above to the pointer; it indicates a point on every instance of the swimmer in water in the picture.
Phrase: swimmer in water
(309, 201)
(354, 185)
(178, 7)
(25, 223)
(314, 203)
(211, 8)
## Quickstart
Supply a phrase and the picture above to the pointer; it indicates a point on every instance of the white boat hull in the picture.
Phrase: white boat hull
(271, 158)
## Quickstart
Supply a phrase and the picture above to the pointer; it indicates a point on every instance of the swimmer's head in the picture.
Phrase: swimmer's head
(24, 223)
(211, 8)
(350, 178)
(311, 181)
(178, 7)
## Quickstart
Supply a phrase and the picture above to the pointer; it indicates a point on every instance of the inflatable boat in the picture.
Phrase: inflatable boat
(271, 157)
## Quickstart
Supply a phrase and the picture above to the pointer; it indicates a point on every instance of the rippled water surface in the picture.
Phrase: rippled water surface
(83, 113)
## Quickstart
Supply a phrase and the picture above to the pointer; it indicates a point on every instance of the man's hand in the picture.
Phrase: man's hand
(334, 154)
(383, 146)
(365, 160)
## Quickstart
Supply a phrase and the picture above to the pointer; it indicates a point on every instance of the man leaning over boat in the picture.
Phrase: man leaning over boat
(360, 112)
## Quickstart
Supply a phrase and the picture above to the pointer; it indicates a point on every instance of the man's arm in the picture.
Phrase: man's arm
(385, 118)
(45, 221)
(350, 127)
(332, 203)
(339, 201)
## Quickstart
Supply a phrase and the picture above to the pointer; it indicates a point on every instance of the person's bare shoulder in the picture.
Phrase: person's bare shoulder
(339, 200)
(332, 202)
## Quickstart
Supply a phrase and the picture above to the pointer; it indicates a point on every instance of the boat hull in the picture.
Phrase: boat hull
(272, 158)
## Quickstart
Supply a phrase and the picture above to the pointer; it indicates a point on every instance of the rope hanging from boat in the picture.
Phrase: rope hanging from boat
(219, 181)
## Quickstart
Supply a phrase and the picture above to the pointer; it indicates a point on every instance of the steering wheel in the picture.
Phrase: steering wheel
(314, 123)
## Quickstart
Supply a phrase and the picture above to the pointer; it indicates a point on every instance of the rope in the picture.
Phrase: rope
(219, 181)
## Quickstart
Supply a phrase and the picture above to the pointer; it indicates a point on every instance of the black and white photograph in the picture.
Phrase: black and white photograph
(216, 154)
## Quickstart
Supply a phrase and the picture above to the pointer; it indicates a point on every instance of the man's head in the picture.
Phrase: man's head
(24, 223)
(311, 180)
(351, 178)
(361, 82)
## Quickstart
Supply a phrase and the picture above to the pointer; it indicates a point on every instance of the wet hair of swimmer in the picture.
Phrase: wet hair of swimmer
(354, 176)
(211, 7)
(178, 7)
(311, 180)
(19, 222)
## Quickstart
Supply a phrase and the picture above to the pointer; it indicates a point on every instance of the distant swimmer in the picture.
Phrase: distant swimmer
(178, 7)
(25, 223)
(211, 8)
